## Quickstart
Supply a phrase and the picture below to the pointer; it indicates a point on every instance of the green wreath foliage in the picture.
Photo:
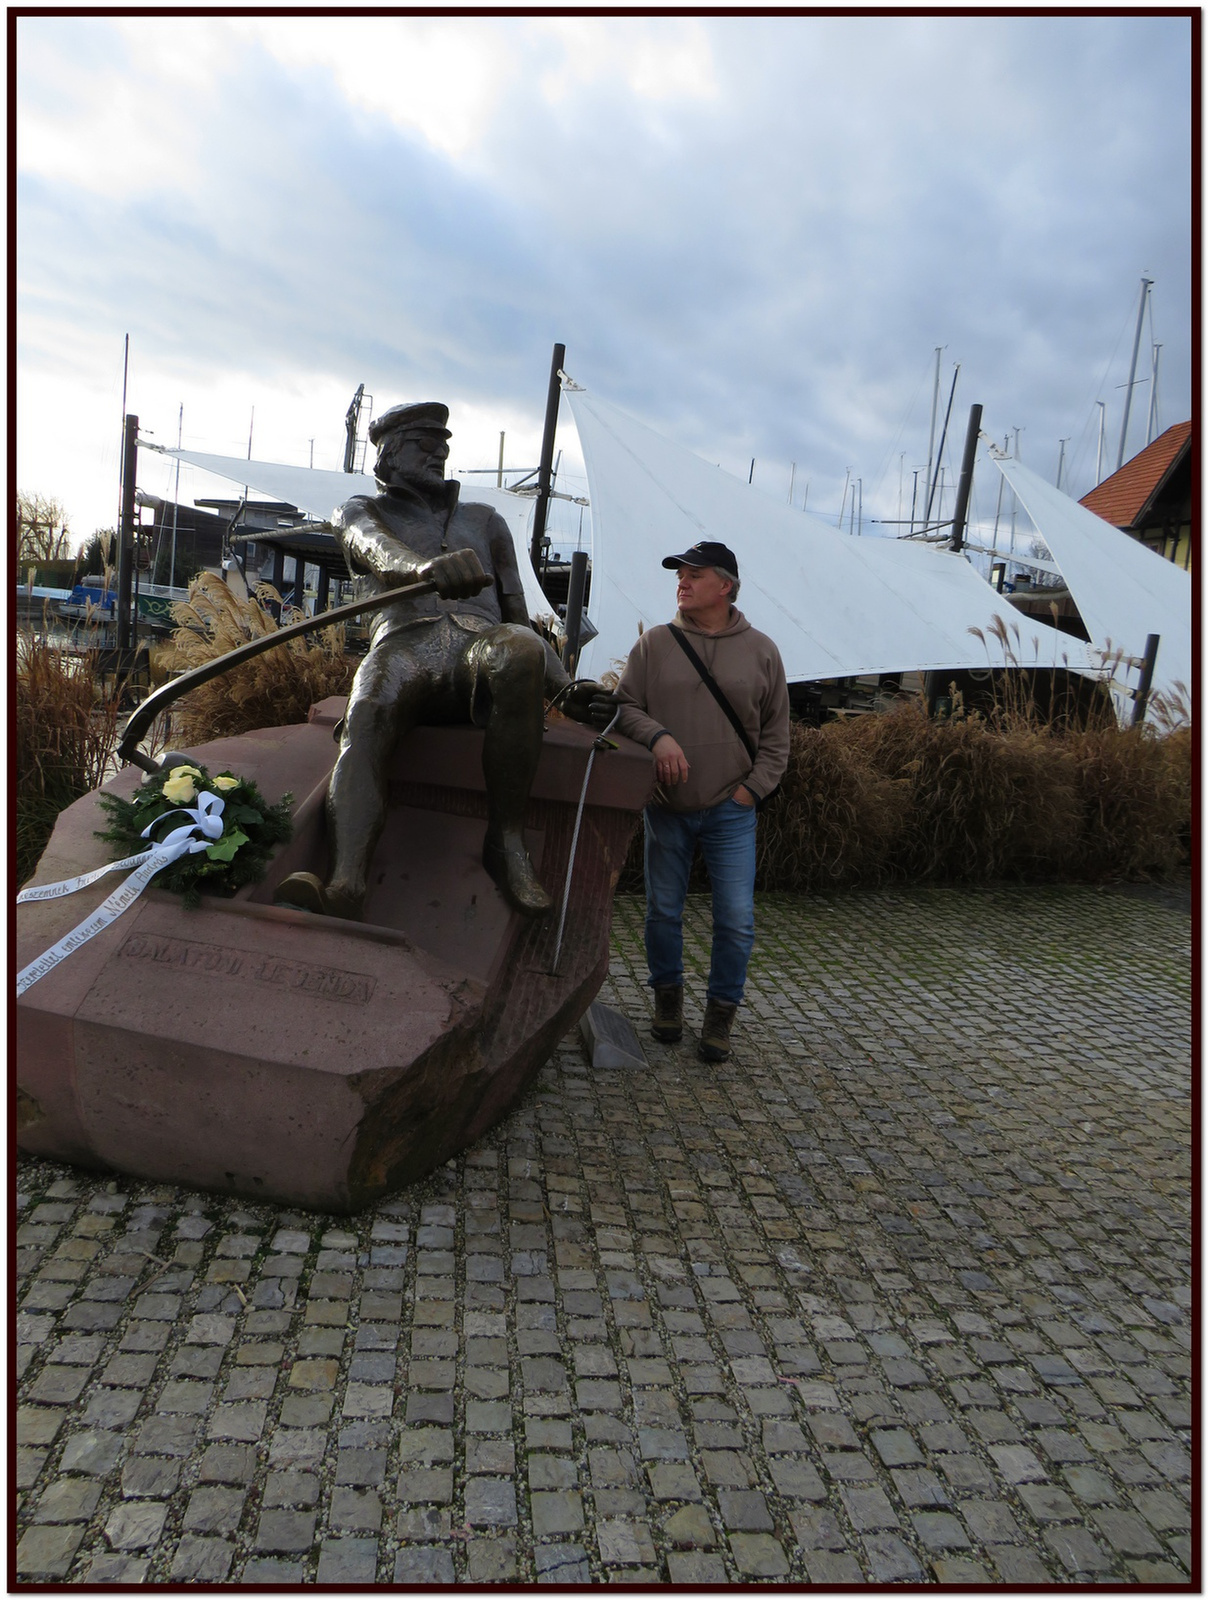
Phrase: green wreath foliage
(250, 829)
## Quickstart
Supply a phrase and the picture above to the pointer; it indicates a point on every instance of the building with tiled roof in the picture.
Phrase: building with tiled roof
(1150, 496)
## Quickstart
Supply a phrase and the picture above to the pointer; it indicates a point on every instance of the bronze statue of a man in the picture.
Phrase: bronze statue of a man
(467, 653)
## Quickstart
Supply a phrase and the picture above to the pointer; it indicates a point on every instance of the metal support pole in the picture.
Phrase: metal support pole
(541, 510)
(965, 484)
(1141, 704)
(125, 554)
(574, 609)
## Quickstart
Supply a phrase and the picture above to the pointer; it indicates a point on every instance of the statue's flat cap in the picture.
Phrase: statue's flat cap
(426, 416)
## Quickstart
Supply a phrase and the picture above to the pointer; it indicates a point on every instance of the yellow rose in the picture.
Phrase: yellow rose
(226, 782)
(176, 772)
(180, 789)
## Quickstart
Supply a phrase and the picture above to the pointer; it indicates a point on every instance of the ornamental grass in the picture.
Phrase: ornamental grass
(906, 798)
(66, 732)
(272, 689)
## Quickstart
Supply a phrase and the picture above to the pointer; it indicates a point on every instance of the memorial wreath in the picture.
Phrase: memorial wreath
(231, 826)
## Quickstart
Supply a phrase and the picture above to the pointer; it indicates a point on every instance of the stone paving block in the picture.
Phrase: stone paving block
(291, 1489)
(285, 1532)
(959, 1571)
(28, 1466)
(673, 1480)
(1127, 1533)
(562, 1564)
(213, 1509)
(491, 1560)
(827, 1568)
(68, 1500)
(92, 1452)
(1046, 1503)
(938, 1530)
(122, 1571)
(558, 1511)
(1077, 1550)
(202, 1560)
(624, 1544)
(423, 1525)
(45, 1551)
(261, 1572)
(344, 1561)
(991, 1522)
(1019, 1564)
(166, 1436)
(423, 1564)
(135, 1524)
(693, 1569)
(817, 1530)
(890, 1559)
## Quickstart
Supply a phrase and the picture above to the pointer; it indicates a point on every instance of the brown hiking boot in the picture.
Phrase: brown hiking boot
(715, 1031)
(668, 1024)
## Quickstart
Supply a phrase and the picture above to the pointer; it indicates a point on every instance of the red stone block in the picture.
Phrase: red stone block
(265, 1052)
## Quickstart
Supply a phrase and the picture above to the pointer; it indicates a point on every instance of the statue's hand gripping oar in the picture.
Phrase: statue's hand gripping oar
(164, 696)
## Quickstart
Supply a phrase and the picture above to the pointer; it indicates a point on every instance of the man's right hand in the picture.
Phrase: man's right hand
(457, 575)
(670, 762)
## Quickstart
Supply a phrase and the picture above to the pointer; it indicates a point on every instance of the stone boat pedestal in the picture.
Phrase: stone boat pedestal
(262, 1051)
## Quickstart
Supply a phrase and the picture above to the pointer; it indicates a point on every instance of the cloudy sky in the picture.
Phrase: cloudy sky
(752, 233)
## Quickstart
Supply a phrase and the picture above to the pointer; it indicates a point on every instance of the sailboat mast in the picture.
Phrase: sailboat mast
(1102, 441)
(956, 371)
(1146, 285)
(1151, 427)
(935, 406)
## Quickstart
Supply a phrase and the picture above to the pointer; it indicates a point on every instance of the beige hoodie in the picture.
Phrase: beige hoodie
(661, 692)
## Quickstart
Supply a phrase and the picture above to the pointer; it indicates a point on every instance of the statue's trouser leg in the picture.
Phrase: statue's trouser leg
(504, 674)
(384, 703)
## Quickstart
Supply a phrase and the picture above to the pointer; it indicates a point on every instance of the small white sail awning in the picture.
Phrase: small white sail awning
(318, 493)
(1123, 591)
(836, 605)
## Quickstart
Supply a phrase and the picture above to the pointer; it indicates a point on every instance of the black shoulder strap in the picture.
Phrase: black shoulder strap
(710, 683)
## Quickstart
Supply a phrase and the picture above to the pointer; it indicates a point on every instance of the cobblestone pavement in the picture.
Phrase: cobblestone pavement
(899, 1294)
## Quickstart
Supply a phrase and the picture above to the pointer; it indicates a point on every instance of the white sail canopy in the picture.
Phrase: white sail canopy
(836, 605)
(1123, 591)
(318, 493)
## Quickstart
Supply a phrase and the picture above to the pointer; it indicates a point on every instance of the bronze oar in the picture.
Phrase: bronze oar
(164, 696)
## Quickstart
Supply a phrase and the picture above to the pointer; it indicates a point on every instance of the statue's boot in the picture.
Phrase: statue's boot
(307, 892)
(508, 862)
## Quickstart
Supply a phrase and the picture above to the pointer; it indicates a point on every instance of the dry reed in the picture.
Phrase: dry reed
(269, 691)
(903, 797)
(66, 735)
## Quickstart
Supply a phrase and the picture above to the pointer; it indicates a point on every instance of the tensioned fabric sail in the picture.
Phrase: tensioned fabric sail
(1123, 591)
(318, 493)
(836, 605)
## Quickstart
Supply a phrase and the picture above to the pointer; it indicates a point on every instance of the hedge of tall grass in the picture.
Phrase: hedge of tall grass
(66, 732)
(906, 798)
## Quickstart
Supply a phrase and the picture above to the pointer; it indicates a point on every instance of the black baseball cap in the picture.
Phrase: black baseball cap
(709, 553)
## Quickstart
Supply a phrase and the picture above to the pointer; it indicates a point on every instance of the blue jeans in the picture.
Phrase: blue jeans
(726, 834)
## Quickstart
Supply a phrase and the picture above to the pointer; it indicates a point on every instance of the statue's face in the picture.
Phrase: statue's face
(412, 458)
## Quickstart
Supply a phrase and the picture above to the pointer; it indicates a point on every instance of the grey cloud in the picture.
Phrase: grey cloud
(764, 272)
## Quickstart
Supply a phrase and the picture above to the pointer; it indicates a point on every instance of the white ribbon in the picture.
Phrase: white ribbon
(206, 820)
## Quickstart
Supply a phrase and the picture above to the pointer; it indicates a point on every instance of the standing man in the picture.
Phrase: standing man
(710, 779)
